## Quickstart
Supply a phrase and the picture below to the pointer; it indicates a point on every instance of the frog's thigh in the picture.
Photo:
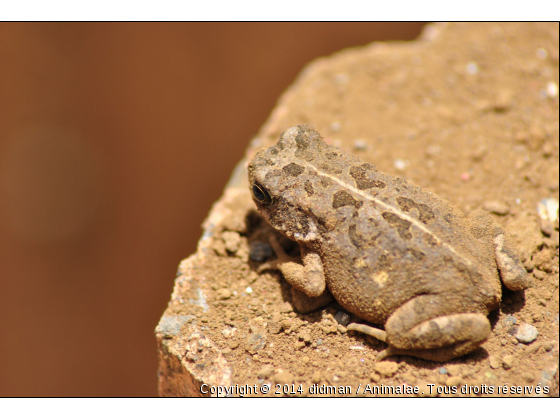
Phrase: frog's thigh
(416, 329)
(512, 271)
(308, 277)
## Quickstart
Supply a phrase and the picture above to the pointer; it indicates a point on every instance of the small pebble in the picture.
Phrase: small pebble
(552, 90)
(547, 209)
(342, 318)
(508, 323)
(442, 370)
(249, 290)
(231, 241)
(255, 342)
(526, 333)
(508, 361)
(319, 342)
(360, 145)
(547, 228)
(400, 164)
(496, 207)
(471, 68)
(260, 251)
(305, 336)
(495, 362)
(224, 294)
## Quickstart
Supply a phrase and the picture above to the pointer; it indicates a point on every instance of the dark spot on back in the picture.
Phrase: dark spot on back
(342, 198)
(360, 241)
(425, 213)
(419, 255)
(360, 175)
(308, 186)
(293, 169)
(325, 182)
(396, 222)
(383, 262)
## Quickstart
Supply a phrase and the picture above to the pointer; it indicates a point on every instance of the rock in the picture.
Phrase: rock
(442, 370)
(266, 371)
(543, 259)
(508, 324)
(255, 342)
(508, 361)
(342, 318)
(224, 294)
(496, 207)
(495, 362)
(547, 228)
(274, 327)
(305, 336)
(526, 333)
(386, 368)
(231, 241)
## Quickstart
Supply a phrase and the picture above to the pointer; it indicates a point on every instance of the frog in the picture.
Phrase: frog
(390, 252)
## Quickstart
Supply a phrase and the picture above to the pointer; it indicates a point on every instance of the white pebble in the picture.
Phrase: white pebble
(548, 209)
(471, 68)
(526, 333)
(552, 89)
(249, 290)
(400, 164)
(360, 145)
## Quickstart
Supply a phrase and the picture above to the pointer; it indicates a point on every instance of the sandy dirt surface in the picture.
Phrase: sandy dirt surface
(469, 112)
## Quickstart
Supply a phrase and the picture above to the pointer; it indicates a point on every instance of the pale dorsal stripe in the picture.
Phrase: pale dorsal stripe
(404, 216)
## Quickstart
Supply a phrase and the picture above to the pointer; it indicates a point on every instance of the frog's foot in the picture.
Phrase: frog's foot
(306, 276)
(512, 271)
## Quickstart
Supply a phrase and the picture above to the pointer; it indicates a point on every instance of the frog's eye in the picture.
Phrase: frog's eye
(261, 194)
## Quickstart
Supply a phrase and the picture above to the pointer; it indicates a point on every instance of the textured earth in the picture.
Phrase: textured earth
(469, 112)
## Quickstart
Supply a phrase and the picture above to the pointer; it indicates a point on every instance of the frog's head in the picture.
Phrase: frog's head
(280, 181)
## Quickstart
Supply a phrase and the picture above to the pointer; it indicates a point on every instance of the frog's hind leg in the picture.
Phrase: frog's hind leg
(421, 328)
(512, 271)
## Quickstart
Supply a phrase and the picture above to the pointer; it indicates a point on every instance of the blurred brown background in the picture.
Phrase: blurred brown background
(115, 139)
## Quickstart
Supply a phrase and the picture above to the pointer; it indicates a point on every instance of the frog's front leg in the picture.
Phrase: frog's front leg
(512, 271)
(308, 277)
